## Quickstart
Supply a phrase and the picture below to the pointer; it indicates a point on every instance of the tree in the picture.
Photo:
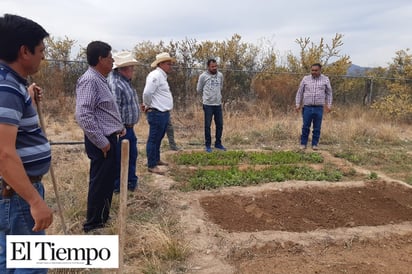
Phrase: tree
(322, 53)
(237, 59)
(398, 103)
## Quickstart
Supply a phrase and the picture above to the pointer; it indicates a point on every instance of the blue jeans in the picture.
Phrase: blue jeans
(158, 124)
(311, 114)
(216, 113)
(101, 183)
(16, 219)
(132, 179)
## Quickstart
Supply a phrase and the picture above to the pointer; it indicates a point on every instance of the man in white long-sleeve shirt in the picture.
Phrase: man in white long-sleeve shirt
(157, 103)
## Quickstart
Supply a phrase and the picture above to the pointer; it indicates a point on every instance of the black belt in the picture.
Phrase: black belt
(7, 191)
(313, 106)
(156, 110)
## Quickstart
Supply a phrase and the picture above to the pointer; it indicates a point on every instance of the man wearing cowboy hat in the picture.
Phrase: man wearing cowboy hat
(157, 103)
(128, 103)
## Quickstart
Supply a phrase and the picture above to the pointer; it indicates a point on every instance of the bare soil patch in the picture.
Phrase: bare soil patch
(298, 227)
(310, 208)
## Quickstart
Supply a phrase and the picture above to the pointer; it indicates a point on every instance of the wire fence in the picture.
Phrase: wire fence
(276, 89)
(268, 89)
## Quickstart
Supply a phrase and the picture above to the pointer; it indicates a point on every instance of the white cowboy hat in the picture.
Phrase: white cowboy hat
(162, 57)
(123, 59)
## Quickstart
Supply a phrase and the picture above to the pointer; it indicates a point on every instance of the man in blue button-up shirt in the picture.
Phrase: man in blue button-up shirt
(128, 104)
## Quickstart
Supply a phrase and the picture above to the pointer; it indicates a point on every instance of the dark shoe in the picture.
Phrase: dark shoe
(175, 148)
(156, 170)
(92, 228)
(221, 147)
(132, 187)
(96, 231)
(208, 149)
(161, 163)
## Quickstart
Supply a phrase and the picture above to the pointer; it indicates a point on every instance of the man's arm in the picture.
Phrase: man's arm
(200, 83)
(85, 114)
(151, 85)
(329, 96)
(12, 171)
(299, 95)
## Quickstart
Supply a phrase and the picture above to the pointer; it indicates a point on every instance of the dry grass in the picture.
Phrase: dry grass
(154, 239)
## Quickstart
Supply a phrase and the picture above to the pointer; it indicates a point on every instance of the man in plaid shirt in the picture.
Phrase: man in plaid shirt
(314, 95)
(98, 115)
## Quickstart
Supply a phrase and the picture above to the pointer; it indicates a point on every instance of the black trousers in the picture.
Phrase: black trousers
(101, 183)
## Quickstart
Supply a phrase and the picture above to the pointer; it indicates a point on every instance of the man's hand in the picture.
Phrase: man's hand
(42, 215)
(123, 132)
(105, 150)
(36, 93)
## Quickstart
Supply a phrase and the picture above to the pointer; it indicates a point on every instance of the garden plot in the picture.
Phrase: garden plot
(299, 227)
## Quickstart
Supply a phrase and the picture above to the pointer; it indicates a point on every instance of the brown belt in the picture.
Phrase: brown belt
(128, 125)
(7, 191)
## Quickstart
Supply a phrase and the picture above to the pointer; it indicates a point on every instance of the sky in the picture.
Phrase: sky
(373, 30)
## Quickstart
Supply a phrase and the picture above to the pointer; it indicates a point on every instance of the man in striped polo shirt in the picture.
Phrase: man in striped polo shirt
(24, 150)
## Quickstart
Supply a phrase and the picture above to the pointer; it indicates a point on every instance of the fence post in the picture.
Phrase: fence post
(367, 99)
(124, 170)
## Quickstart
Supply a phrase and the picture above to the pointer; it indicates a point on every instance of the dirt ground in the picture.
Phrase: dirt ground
(298, 227)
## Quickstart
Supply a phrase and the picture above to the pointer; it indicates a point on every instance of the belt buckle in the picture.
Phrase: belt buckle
(35, 179)
(6, 190)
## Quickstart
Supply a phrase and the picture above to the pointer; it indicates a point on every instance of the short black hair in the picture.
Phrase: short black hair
(95, 50)
(17, 31)
(317, 65)
(210, 60)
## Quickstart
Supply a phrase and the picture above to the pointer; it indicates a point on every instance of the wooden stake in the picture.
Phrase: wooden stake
(51, 170)
(124, 171)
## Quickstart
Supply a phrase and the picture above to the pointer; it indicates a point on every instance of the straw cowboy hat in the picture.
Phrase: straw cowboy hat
(123, 59)
(162, 57)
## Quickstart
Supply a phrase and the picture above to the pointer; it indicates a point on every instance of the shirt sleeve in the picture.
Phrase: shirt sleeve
(149, 89)
(200, 83)
(328, 93)
(121, 101)
(299, 93)
(85, 113)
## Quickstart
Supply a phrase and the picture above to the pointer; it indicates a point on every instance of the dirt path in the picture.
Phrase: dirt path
(298, 227)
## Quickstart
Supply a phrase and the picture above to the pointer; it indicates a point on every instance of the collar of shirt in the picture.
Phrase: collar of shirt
(116, 73)
(5, 69)
(162, 72)
(97, 73)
